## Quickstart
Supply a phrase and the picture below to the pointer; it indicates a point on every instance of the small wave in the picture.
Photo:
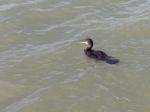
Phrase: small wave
(83, 7)
(52, 7)
(7, 7)
(72, 22)
(133, 11)
(18, 55)
(28, 100)
(33, 1)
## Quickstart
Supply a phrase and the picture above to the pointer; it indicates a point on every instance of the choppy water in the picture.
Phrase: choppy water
(42, 65)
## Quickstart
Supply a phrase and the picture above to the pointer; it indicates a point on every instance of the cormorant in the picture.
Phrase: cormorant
(97, 54)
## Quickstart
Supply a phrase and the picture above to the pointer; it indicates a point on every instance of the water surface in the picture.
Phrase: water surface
(42, 65)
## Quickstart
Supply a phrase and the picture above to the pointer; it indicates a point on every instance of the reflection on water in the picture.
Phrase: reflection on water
(43, 67)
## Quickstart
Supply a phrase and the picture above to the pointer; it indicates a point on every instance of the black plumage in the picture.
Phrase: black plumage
(97, 54)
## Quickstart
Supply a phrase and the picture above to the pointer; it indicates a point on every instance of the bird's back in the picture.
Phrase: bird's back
(101, 55)
(97, 54)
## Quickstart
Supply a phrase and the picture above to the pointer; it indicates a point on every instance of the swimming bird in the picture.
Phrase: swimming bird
(97, 54)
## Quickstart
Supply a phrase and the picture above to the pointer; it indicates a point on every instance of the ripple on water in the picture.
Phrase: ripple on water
(7, 7)
(20, 53)
(77, 81)
(28, 100)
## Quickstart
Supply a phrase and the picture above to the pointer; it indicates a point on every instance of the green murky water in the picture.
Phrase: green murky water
(42, 65)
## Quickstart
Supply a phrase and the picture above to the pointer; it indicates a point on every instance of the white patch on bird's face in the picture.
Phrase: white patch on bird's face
(84, 42)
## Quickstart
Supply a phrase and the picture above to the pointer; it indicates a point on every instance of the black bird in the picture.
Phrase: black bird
(97, 54)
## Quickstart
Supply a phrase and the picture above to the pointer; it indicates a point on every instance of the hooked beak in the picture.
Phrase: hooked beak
(83, 42)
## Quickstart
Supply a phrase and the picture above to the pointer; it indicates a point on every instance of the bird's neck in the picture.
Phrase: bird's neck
(89, 48)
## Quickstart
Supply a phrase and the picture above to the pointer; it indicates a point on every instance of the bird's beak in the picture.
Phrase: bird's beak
(84, 42)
